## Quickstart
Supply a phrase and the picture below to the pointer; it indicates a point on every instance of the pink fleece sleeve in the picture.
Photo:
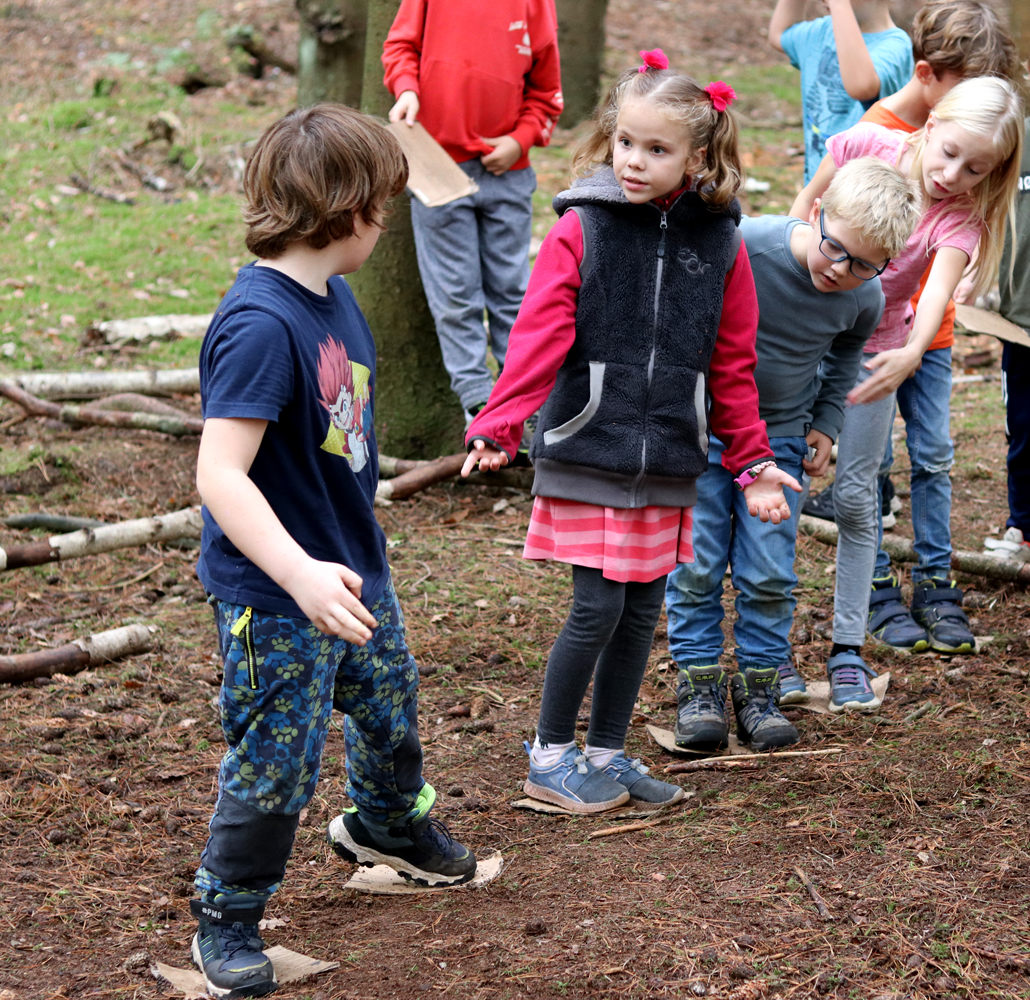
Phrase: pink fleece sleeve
(731, 377)
(540, 339)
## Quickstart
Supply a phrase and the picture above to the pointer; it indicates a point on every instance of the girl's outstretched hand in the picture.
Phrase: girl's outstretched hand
(891, 368)
(488, 459)
(765, 498)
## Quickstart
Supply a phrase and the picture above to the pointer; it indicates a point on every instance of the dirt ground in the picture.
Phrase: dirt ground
(915, 836)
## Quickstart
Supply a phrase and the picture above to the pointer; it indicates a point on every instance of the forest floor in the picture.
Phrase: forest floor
(915, 835)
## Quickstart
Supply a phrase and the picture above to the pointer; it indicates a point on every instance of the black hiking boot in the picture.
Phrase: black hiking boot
(760, 724)
(228, 949)
(701, 710)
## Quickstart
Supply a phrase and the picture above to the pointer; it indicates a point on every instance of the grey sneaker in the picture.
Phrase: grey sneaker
(760, 723)
(701, 710)
(644, 792)
(792, 684)
(850, 685)
(228, 949)
(574, 784)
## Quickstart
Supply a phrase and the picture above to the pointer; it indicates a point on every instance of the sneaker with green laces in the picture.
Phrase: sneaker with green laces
(644, 792)
(755, 692)
(423, 851)
(701, 709)
(228, 949)
(937, 607)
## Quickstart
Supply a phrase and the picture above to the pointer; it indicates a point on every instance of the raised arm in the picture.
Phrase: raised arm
(857, 71)
(802, 207)
(787, 12)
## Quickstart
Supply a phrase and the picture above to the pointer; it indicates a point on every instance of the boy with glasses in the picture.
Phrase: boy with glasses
(819, 300)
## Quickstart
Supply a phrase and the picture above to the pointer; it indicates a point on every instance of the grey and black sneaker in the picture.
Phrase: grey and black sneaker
(890, 622)
(792, 685)
(937, 606)
(423, 852)
(228, 949)
(820, 505)
(755, 691)
(701, 709)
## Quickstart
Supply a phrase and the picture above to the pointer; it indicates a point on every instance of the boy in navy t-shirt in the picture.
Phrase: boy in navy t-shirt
(292, 555)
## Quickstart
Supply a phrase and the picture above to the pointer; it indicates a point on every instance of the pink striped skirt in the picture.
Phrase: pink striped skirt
(629, 546)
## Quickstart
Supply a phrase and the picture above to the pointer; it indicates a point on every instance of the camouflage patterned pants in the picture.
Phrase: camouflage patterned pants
(282, 680)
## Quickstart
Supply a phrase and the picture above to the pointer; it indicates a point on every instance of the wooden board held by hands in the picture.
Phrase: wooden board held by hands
(984, 321)
(433, 177)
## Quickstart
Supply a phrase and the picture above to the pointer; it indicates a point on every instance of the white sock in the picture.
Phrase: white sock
(548, 756)
(599, 756)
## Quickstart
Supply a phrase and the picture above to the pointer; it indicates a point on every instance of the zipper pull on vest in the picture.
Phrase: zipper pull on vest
(661, 242)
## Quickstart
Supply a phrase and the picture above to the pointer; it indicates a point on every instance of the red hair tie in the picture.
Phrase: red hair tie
(655, 59)
(721, 94)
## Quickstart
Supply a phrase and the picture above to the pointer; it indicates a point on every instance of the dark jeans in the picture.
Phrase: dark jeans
(610, 628)
(1015, 367)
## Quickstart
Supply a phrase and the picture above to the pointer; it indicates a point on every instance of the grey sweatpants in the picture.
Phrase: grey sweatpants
(860, 449)
(473, 254)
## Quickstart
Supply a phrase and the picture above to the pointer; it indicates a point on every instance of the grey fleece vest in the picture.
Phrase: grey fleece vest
(631, 400)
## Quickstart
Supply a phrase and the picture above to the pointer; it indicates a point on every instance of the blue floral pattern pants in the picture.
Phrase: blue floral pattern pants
(282, 679)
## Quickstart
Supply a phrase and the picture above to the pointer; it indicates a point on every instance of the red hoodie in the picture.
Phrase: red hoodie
(480, 69)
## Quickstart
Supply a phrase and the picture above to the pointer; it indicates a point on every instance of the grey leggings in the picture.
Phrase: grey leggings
(610, 627)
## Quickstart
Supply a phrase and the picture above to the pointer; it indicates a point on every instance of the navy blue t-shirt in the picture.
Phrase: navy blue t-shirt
(304, 362)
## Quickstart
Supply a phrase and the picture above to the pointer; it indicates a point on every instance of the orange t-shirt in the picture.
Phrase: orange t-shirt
(879, 115)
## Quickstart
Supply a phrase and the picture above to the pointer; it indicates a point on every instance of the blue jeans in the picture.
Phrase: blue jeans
(761, 559)
(473, 254)
(924, 401)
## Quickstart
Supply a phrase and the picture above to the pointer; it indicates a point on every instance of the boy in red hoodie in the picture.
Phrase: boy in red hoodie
(484, 80)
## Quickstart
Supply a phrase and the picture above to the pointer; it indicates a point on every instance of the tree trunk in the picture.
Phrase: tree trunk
(416, 414)
(331, 53)
(1019, 17)
(581, 42)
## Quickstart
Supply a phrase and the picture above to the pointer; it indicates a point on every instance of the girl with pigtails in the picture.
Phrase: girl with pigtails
(636, 337)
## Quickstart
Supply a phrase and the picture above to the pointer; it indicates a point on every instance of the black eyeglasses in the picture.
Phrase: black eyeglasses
(832, 250)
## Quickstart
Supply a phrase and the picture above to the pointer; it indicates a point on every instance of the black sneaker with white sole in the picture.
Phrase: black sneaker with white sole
(820, 505)
(423, 852)
(228, 949)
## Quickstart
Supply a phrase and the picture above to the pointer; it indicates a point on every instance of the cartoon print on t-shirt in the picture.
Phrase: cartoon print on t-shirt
(343, 391)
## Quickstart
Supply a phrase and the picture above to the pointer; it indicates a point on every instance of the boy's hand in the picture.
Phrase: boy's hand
(507, 151)
(329, 594)
(819, 464)
(891, 368)
(765, 498)
(406, 108)
(488, 459)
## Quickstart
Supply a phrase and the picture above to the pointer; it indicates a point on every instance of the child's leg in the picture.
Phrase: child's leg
(693, 594)
(1015, 364)
(376, 688)
(505, 213)
(597, 606)
(925, 401)
(447, 246)
(860, 450)
(275, 701)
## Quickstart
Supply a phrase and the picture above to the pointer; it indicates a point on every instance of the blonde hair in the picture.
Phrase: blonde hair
(684, 101)
(877, 200)
(964, 37)
(984, 105)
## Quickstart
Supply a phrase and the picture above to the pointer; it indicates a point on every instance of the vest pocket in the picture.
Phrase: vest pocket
(558, 434)
(677, 440)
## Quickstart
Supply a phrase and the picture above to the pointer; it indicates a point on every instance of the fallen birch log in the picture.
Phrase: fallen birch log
(74, 413)
(419, 478)
(93, 651)
(389, 467)
(143, 329)
(186, 523)
(89, 385)
(136, 402)
(51, 522)
(973, 563)
(520, 478)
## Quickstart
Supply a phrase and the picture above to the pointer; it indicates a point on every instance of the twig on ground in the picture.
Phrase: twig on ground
(116, 196)
(820, 903)
(735, 759)
(611, 831)
(919, 712)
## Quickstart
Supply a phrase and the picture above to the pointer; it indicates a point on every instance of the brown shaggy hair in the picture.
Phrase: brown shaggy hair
(684, 101)
(965, 37)
(312, 172)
